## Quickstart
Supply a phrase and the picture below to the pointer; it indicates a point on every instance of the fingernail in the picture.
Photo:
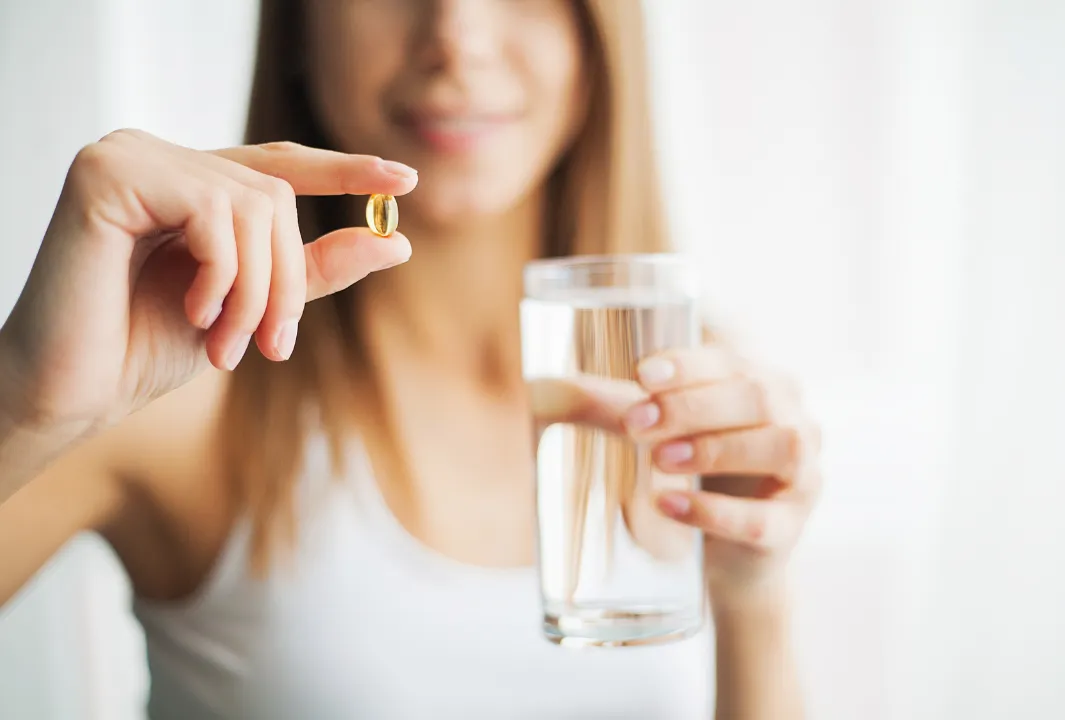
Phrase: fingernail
(676, 453)
(210, 316)
(643, 416)
(675, 505)
(286, 339)
(398, 169)
(236, 353)
(656, 371)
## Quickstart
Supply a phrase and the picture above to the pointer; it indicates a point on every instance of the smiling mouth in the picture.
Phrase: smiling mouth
(455, 132)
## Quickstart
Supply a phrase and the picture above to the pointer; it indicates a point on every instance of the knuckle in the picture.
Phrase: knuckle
(97, 160)
(123, 135)
(280, 191)
(280, 146)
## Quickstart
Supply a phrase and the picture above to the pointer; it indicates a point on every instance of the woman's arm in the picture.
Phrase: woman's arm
(756, 674)
(25, 447)
(21, 455)
(49, 492)
(124, 304)
(743, 431)
(161, 261)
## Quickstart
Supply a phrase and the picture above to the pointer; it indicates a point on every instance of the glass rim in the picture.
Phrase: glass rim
(671, 272)
(544, 268)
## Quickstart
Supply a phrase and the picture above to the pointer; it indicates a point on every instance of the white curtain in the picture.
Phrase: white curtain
(876, 189)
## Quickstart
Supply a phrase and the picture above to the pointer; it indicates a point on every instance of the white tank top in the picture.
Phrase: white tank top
(365, 621)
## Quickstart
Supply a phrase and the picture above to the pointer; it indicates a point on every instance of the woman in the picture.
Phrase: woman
(336, 529)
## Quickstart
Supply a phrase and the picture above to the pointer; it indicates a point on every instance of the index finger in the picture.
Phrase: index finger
(313, 171)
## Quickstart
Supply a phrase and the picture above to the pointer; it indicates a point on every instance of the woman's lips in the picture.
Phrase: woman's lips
(455, 133)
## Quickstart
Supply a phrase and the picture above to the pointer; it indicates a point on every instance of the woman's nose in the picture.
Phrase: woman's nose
(462, 31)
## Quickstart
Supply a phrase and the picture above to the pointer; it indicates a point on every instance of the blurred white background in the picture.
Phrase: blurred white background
(876, 189)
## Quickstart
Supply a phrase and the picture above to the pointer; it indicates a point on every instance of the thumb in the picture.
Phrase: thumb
(343, 257)
(583, 400)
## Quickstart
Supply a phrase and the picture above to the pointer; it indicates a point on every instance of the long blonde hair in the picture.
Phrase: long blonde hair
(604, 198)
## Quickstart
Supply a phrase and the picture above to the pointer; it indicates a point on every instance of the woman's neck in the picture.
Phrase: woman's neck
(455, 302)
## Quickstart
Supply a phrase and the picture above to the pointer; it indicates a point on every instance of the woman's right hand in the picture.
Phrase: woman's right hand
(160, 260)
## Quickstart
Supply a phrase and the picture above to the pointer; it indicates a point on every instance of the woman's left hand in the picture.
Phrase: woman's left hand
(744, 433)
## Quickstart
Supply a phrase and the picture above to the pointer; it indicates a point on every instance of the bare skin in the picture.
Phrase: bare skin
(124, 306)
(121, 316)
(151, 487)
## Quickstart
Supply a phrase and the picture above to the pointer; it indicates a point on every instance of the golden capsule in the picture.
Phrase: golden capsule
(382, 214)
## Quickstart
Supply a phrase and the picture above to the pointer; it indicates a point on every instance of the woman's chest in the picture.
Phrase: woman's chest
(383, 646)
(364, 621)
(455, 485)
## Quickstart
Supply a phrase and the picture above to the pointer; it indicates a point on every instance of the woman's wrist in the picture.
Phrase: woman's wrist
(756, 676)
(765, 599)
(27, 443)
(26, 449)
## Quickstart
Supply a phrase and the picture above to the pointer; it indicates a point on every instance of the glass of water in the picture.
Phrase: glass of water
(613, 570)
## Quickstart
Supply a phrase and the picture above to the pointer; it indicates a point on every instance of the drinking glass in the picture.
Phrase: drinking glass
(613, 570)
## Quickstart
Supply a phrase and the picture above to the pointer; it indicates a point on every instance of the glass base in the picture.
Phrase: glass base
(620, 626)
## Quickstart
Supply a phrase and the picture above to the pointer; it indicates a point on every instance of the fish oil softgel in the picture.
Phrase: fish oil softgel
(382, 215)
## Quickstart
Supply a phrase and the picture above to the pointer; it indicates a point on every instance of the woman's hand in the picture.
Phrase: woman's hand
(706, 413)
(160, 260)
(703, 412)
